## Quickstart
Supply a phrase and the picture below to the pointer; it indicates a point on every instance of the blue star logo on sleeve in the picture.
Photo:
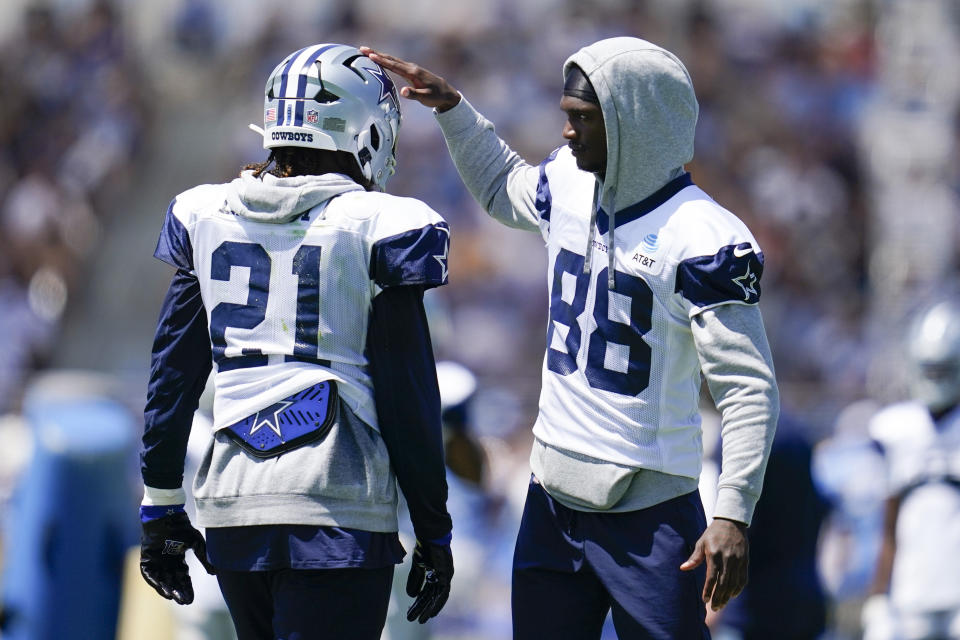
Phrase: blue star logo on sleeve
(270, 421)
(746, 282)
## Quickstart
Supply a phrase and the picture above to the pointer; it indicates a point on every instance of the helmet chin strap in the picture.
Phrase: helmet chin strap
(256, 129)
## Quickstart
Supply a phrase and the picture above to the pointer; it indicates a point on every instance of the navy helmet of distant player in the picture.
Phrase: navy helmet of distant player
(933, 349)
(331, 97)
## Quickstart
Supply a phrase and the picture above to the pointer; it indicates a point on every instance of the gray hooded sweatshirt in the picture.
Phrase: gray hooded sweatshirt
(272, 199)
(650, 112)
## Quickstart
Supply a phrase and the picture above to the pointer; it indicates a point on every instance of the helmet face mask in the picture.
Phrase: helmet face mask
(933, 349)
(331, 97)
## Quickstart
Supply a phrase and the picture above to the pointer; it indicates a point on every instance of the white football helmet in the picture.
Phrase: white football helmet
(933, 349)
(457, 384)
(332, 97)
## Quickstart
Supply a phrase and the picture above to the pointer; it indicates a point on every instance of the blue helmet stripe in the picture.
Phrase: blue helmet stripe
(295, 68)
(281, 118)
(302, 84)
(301, 90)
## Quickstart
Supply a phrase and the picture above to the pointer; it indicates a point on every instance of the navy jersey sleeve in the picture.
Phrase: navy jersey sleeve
(730, 275)
(173, 245)
(179, 366)
(544, 200)
(408, 405)
(414, 257)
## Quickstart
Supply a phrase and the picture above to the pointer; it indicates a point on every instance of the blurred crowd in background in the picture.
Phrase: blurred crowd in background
(71, 119)
(830, 128)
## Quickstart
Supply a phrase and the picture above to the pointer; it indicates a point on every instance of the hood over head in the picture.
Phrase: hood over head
(649, 111)
(272, 199)
(650, 115)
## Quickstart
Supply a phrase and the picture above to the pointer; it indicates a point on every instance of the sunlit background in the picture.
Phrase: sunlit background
(829, 127)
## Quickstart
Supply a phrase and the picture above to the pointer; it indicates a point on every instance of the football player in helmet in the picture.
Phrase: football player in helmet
(650, 282)
(933, 353)
(334, 99)
(916, 593)
(300, 285)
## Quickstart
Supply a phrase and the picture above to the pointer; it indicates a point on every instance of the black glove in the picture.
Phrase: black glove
(429, 580)
(163, 547)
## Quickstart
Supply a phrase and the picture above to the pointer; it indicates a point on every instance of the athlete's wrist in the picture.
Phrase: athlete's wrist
(449, 102)
(153, 496)
(740, 525)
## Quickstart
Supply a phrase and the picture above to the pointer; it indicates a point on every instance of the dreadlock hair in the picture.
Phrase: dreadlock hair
(287, 162)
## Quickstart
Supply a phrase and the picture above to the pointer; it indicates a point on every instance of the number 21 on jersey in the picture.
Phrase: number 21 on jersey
(306, 267)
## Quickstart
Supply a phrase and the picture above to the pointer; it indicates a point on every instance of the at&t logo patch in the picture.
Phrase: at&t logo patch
(650, 243)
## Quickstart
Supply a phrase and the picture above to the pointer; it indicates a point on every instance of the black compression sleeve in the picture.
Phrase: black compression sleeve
(179, 366)
(408, 405)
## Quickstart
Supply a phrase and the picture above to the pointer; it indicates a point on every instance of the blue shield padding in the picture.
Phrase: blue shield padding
(70, 521)
(296, 420)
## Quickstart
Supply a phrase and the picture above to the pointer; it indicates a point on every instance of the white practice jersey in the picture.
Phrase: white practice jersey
(621, 376)
(923, 463)
(288, 303)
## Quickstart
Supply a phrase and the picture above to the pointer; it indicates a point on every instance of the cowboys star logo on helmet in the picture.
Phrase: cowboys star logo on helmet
(332, 97)
(388, 89)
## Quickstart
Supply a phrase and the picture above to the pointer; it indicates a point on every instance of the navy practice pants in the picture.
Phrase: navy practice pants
(570, 568)
(301, 604)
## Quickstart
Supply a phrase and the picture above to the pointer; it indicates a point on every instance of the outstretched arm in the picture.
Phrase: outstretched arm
(499, 179)
(425, 87)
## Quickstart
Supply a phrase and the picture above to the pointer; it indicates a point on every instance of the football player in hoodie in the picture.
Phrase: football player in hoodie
(300, 285)
(650, 283)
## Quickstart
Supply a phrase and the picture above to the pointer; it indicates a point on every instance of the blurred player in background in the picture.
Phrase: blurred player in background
(783, 598)
(303, 285)
(466, 462)
(650, 281)
(916, 591)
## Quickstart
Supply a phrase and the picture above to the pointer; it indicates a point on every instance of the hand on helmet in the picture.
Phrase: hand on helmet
(426, 87)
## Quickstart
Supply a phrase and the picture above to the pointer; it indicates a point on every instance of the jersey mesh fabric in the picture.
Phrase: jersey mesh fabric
(288, 304)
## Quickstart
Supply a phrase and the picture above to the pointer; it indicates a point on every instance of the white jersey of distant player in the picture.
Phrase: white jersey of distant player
(621, 376)
(288, 304)
(923, 464)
